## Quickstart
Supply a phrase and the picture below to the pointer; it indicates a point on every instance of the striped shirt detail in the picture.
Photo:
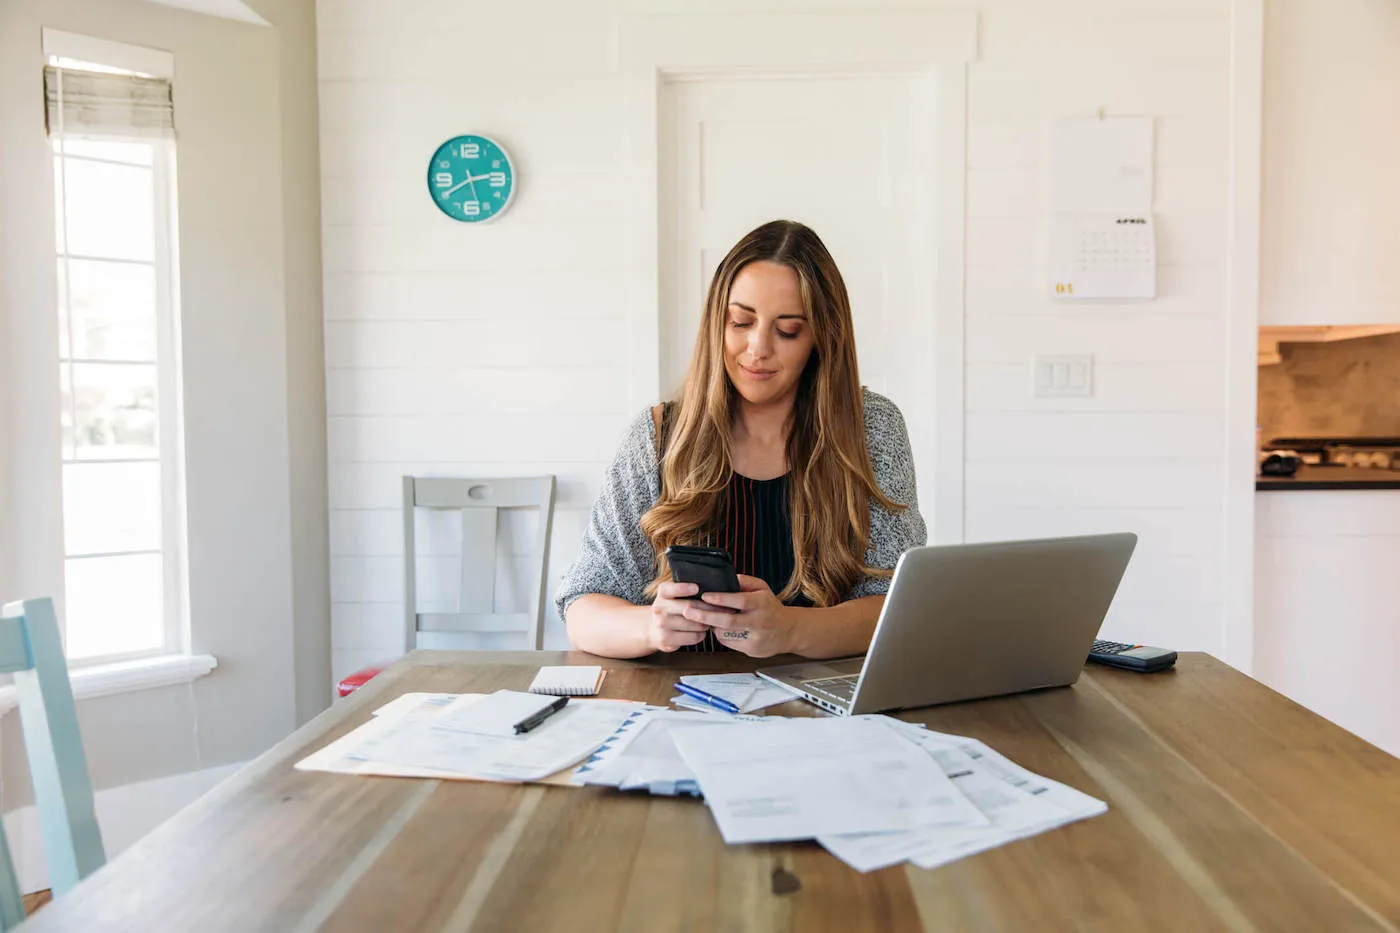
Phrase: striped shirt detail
(755, 528)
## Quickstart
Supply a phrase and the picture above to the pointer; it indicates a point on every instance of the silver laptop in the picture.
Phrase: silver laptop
(974, 620)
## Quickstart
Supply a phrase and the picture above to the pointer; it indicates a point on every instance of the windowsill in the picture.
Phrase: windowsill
(102, 680)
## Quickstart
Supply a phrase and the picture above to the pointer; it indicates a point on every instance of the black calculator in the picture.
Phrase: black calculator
(1131, 657)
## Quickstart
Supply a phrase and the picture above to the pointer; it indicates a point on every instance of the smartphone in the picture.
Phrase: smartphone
(707, 567)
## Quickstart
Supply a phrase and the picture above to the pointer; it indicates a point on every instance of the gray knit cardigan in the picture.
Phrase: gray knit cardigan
(616, 558)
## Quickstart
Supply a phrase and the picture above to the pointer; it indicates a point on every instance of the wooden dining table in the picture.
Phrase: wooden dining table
(1230, 808)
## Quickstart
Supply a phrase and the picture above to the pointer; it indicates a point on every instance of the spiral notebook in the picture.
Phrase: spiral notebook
(568, 681)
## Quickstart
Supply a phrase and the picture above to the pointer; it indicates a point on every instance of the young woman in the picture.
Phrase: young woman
(774, 453)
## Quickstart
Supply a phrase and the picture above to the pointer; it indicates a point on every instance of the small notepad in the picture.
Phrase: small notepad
(564, 681)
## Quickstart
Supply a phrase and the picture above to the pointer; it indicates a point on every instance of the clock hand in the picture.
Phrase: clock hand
(469, 180)
(453, 189)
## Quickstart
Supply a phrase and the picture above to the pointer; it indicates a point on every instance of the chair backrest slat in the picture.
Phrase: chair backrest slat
(539, 561)
(456, 492)
(476, 580)
(410, 566)
(54, 746)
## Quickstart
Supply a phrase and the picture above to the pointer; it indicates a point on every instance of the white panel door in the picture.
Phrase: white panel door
(850, 156)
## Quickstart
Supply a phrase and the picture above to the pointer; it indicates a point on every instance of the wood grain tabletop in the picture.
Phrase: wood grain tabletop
(1231, 808)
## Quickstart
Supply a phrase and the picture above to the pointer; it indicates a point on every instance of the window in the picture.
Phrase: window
(114, 191)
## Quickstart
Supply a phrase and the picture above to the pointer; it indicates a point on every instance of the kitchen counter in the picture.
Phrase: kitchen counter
(1327, 604)
(1330, 477)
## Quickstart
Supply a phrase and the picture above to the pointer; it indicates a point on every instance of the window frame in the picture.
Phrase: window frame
(173, 547)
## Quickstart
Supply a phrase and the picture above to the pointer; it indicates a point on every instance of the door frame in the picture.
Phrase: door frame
(1242, 329)
(652, 49)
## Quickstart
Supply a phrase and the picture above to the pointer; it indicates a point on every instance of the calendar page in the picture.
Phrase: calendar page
(1102, 256)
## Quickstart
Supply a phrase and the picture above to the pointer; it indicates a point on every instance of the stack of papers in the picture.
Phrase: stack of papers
(432, 738)
(874, 791)
(503, 713)
(642, 756)
(749, 692)
(806, 778)
(1018, 803)
(416, 705)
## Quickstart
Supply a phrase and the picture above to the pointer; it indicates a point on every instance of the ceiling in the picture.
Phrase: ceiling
(226, 9)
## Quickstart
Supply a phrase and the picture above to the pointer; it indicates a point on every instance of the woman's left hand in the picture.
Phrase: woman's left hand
(760, 625)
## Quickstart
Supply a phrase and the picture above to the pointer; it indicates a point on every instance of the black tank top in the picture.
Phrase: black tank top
(755, 528)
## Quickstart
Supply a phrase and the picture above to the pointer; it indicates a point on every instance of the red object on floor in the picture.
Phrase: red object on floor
(352, 682)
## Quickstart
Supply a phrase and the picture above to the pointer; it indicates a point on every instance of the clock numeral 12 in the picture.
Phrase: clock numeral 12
(471, 150)
(471, 208)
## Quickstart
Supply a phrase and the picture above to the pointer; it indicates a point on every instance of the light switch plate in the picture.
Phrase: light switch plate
(1063, 376)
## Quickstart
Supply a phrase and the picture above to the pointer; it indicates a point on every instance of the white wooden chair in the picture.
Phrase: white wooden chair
(479, 502)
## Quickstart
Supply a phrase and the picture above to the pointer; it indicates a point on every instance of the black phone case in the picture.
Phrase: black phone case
(706, 567)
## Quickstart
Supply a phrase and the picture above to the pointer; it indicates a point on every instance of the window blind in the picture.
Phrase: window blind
(92, 103)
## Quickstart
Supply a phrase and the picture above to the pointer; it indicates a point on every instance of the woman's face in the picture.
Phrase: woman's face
(767, 337)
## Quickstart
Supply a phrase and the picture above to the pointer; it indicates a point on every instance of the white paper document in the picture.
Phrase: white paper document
(1017, 803)
(736, 688)
(1101, 164)
(1076, 803)
(805, 778)
(416, 704)
(692, 705)
(1010, 811)
(1103, 255)
(642, 756)
(564, 739)
(1101, 229)
(334, 757)
(496, 713)
(749, 692)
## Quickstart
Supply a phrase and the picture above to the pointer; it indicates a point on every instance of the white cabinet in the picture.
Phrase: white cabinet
(1330, 226)
(1327, 605)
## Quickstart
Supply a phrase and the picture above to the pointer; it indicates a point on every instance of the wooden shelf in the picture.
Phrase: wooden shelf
(1271, 336)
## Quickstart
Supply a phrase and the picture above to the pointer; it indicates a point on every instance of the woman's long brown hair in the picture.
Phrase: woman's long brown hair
(830, 479)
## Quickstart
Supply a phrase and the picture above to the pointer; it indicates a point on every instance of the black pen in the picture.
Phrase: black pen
(534, 719)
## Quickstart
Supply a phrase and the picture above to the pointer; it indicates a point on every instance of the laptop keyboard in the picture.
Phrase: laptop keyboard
(841, 688)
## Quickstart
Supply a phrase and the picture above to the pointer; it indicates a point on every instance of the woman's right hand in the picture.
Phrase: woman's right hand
(668, 629)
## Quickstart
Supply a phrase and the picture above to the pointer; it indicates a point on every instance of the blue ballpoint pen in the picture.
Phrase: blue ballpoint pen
(703, 697)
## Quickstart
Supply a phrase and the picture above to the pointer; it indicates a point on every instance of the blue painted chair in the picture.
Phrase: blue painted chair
(31, 650)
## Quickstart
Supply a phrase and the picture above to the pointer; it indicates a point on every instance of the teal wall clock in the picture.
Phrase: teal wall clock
(471, 179)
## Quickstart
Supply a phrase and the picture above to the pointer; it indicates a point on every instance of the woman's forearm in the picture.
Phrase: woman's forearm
(608, 626)
(835, 631)
(614, 628)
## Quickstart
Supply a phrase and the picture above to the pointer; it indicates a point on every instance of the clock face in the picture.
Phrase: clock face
(471, 179)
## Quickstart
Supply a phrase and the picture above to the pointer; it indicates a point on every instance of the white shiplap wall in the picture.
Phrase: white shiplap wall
(1145, 452)
(501, 350)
